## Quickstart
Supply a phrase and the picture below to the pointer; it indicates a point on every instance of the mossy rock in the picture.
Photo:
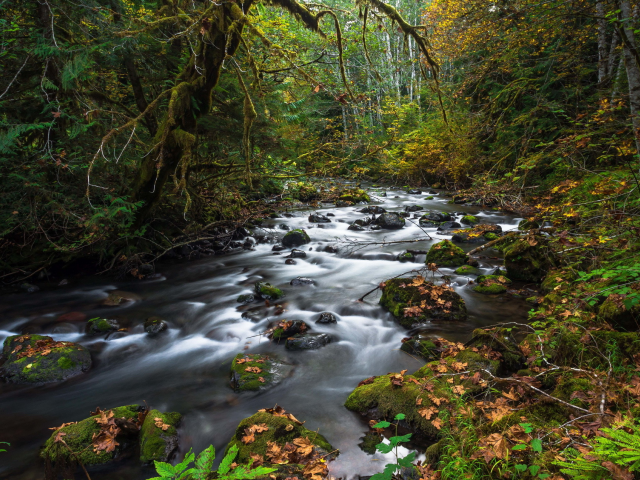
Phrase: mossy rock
(295, 238)
(558, 278)
(267, 291)
(157, 444)
(101, 326)
(526, 262)
(378, 398)
(272, 372)
(284, 329)
(304, 191)
(79, 438)
(406, 257)
(282, 430)
(492, 289)
(354, 195)
(619, 316)
(396, 298)
(501, 340)
(574, 390)
(430, 197)
(488, 279)
(469, 220)
(491, 236)
(446, 254)
(369, 441)
(467, 270)
(50, 361)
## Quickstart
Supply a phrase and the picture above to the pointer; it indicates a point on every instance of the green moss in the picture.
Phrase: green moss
(242, 380)
(430, 197)
(406, 257)
(501, 340)
(422, 347)
(567, 386)
(526, 262)
(396, 298)
(277, 433)
(295, 238)
(354, 195)
(267, 291)
(157, 444)
(618, 316)
(488, 279)
(492, 289)
(446, 254)
(101, 325)
(469, 220)
(64, 362)
(79, 437)
(491, 236)
(369, 442)
(467, 270)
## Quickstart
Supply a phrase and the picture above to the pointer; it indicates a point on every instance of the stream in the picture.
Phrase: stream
(186, 369)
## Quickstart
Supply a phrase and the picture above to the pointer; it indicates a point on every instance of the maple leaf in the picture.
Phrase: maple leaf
(367, 381)
(249, 437)
(437, 423)
(459, 366)
(261, 379)
(493, 446)
(275, 454)
(58, 438)
(305, 447)
(160, 424)
(253, 370)
(428, 412)
(414, 311)
(511, 395)
(316, 470)
(260, 427)
(257, 459)
(396, 379)
(241, 360)
(105, 418)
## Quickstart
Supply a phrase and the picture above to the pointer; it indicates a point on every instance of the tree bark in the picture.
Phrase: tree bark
(138, 94)
(602, 43)
(631, 65)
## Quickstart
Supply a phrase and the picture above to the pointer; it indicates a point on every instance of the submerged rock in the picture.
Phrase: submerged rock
(327, 317)
(436, 217)
(406, 257)
(155, 325)
(413, 208)
(301, 281)
(38, 359)
(373, 209)
(449, 225)
(318, 218)
(290, 261)
(278, 248)
(307, 341)
(158, 436)
(295, 238)
(266, 291)
(446, 254)
(101, 326)
(297, 254)
(355, 227)
(246, 298)
(414, 191)
(390, 220)
(403, 297)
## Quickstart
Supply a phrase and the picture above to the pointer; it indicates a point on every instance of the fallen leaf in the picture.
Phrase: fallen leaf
(160, 424)
(428, 412)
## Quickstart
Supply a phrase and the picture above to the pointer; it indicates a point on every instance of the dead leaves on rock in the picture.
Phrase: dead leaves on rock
(159, 422)
(253, 370)
(300, 451)
(278, 411)
(252, 431)
(42, 347)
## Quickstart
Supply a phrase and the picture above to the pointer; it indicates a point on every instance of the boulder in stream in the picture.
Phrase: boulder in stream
(252, 372)
(101, 326)
(373, 209)
(279, 440)
(390, 220)
(491, 284)
(284, 329)
(406, 257)
(307, 341)
(302, 281)
(158, 436)
(327, 317)
(295, 253)
(295, 238)
(266, 291)
(446, 254)
(403, 297)
(38, 359)
(355, 195)
(318, 218)
(469, 220)
(155, 325)
(355, 227)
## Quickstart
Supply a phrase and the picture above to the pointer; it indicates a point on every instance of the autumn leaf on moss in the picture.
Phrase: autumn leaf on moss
(160, 424)
(428, 412)
(305, 447)
(253, 370)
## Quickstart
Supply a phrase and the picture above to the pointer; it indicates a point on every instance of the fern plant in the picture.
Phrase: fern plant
(203, 465)
(618, 446)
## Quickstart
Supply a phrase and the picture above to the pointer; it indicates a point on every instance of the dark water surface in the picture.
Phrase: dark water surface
(186, 369)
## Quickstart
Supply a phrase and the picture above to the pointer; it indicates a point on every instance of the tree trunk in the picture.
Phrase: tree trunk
(602, 43)
(631, 65)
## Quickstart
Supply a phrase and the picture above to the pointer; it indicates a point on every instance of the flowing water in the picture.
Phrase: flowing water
(186, 368)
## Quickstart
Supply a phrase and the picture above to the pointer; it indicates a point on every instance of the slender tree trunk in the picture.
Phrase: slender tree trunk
(602, 43)
(631, 65)
(611, 60)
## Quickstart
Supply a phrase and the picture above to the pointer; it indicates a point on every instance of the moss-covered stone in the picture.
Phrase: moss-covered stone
(527, 262)
(380, 399)
(467, 270)
(47, 361)
(101, 326)
(492, 289)
(284, 329)
(267, 291)
(420, 346)
(493, 279)
(295, 238)
(446, 254)
(406, 257)
(157, 444)
(398, 294)
(469, 220)
(491, 236)
(79, 438)
(355, 195)
(281, 430)
(245, 377)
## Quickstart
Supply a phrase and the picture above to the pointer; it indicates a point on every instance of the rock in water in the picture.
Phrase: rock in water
(403, 297)
(155, 325)
(390, 220)
(327, 317)
(278, 248)
(39, 359)
(295, 238)
(355, 227)
(406, 257)
(266, 291)
(101, 326)
(491, 284)
(446, 254)
(318, 218)
(285, 329)
(247, 298)
(301, 281)
(449, 225)
(307, 341)
(297, 254)
(250, 372)
(158, 436)
(373, 209)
